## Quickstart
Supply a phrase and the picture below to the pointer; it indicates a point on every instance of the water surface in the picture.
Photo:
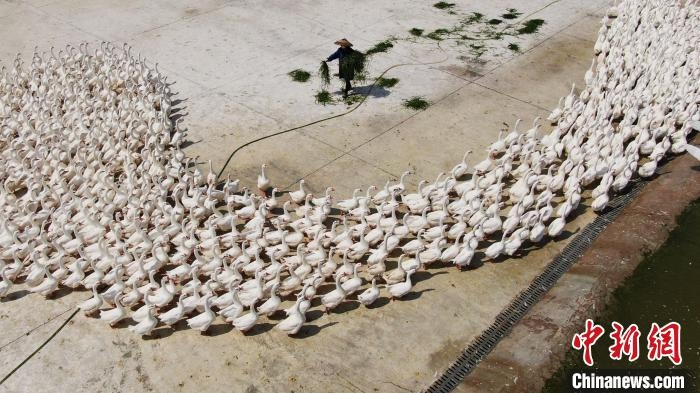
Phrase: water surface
(663, 288)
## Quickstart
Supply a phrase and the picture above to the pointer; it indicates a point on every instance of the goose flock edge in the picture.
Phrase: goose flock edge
(97, 193)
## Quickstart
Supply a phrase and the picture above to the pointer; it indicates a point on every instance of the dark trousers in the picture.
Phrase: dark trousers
(348, 86)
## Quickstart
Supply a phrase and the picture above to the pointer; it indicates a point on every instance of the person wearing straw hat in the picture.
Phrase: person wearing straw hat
(346, 71)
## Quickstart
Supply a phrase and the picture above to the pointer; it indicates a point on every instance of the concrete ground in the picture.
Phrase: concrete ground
(229, 63)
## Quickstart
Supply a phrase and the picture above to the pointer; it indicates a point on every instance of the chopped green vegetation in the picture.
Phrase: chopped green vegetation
(494, 36)
(477, 50)
(474, 34)
(357, 61)
(416, 32)
(324, 73)
(353, 99)
(473, 18)
(443, 5)
(299, 75)
(531, 26)
(437, 34)
(511, 14)
(380, 47)
(416, 103)
(323, 97)
(387, 82)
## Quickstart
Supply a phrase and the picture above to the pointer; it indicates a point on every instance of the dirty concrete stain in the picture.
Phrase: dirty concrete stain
(463, 72)
(448, 352)
(190, 12)
(539, 324)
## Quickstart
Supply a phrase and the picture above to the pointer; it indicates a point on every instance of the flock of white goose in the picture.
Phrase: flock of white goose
(96, 192)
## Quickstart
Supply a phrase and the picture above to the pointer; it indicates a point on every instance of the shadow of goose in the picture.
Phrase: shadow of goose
(313, 315)
(61, 292)
(423, 275)
(219, 329)
(16, 295)
(311, 330)
(413, 295)
(258, 329)
(189, 143)
(380, 302)
(346, 306)
(159, 333)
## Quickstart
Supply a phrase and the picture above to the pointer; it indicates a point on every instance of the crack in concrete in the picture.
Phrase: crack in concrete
(28, 332)
(398, 386)
(48, 340)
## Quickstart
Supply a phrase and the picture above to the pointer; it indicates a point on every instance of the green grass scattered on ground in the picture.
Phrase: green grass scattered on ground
(443, 5)
(354, 99)
(323, 97)
(438, 34)
(474, 32)
(531, 26)
(473, 18)
(380, 47)
(387, 82)
(511, 14)
(416, 32)
(299, 75)
(416, 103)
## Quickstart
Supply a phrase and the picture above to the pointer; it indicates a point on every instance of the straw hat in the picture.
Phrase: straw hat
(344, 43)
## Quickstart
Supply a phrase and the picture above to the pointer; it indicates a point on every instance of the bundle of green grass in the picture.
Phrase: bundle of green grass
(324, 73)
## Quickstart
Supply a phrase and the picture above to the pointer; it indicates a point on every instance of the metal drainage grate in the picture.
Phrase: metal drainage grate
(510, 316)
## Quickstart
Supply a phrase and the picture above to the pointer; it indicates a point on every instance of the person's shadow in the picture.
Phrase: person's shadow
(376, 91)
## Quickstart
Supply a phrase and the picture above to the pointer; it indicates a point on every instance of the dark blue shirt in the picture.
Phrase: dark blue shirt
(340, 53)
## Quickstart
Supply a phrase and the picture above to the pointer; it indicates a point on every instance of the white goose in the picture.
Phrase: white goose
(398, 290)
(202, 321)
(370, 295)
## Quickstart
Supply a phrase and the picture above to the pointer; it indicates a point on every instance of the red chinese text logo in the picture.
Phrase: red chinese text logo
(665, 342)
(662, 342)
(625, 342)
(586, 340)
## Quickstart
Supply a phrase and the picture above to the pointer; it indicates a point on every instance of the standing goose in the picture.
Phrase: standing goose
(272, 304)
(202, 321)
(147, 324)
(396, 275)
(263, 181)
(332, 299)
(370, 294)
(460, 169)
(5, 285)
(300, 195)
(116, 314)
(175, 314)
(295, 319)
(400, 289)
(247, 321)
(46, 287)
(93, 304)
